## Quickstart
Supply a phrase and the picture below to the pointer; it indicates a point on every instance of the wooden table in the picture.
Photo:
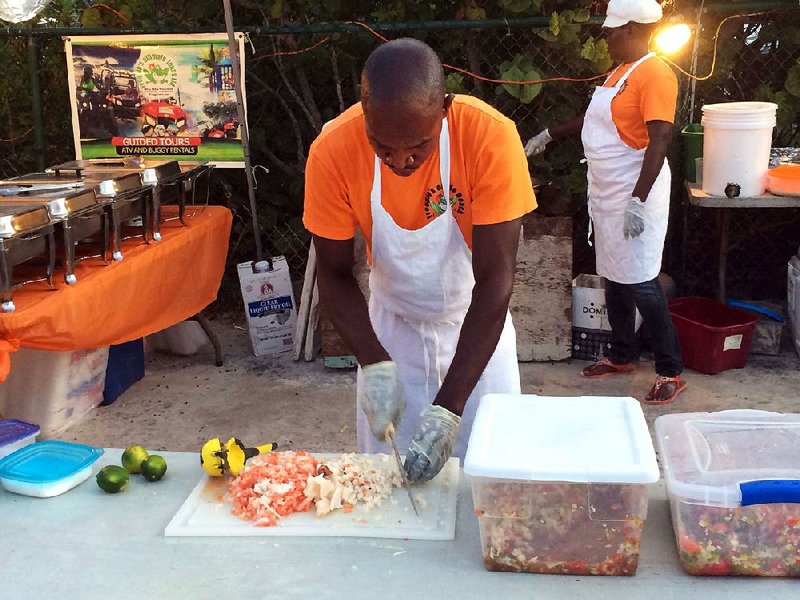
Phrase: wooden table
(724, 205)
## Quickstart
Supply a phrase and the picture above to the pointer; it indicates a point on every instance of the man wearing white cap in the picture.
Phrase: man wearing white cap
(626, 132)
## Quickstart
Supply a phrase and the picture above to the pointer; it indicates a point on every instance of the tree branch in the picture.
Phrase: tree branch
(336, 78)
(308, 97)
(301, 157)
(284, 167)
(292, 91)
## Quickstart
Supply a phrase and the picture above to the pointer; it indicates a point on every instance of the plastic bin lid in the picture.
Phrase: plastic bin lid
(14, 430)
(589, 439)
(731, 458)
(48, 461)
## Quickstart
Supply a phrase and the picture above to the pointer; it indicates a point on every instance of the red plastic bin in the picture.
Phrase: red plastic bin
(714, 337)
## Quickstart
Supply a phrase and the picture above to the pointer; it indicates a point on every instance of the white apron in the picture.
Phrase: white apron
(614, 169)
(421, 287)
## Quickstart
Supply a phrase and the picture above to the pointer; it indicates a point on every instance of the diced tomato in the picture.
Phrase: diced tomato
(690, 546)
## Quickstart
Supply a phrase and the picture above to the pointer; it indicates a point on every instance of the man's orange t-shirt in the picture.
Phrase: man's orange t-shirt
(649, 94)
(489, 179)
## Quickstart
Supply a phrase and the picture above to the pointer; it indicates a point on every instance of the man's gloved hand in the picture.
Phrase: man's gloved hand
(537, 143)
(634, 219)
(432, 443)
(383, 401)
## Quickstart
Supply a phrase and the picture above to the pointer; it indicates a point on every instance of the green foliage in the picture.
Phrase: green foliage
(521, 68)
(596, 52)
(289, 98)
(455, 83)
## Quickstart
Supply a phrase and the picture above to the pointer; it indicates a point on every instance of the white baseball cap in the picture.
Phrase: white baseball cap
(620, 12)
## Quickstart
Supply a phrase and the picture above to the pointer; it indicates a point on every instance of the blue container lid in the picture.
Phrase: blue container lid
(14, 430)
(48, 461)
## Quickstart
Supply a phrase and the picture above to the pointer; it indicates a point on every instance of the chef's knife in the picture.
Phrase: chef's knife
(403, 477)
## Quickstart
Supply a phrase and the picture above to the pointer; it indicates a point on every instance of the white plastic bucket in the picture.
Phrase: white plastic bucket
(736, 146)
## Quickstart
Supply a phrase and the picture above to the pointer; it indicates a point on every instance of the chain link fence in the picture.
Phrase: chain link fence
(301, 77)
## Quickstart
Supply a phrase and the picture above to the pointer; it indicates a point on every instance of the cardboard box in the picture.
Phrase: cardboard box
(269, 306)
(589, 304)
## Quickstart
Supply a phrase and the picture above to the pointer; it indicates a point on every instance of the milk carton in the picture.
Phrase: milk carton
(269, 305)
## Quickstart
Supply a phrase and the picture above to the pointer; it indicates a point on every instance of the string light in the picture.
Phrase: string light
(672, 38)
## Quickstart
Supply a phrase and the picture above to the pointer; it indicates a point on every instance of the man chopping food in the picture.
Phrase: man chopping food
(438, 185)
(626, 132)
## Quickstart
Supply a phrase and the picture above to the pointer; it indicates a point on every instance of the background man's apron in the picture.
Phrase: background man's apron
(421, 287)
(614, 169)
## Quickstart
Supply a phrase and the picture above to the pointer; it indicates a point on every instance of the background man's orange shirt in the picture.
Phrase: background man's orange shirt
(649, 94)
(489, 178)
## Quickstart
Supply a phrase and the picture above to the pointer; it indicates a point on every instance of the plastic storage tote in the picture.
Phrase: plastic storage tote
(16, 434)
(714, 337)
(733, 481)
(560, 484)
(56, 390)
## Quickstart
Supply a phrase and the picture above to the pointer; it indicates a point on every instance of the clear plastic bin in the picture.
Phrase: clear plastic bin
(560, 485)
(732, 481)
(560, 527)
(55, 390)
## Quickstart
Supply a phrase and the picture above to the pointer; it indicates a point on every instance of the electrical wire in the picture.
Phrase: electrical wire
(17, 138)
(716, 44)
(692, 76)
(488, 79)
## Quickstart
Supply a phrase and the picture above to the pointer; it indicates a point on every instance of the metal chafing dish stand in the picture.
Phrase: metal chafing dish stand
(76, 213)
(166, 177)
(127, 199)
(26, 232)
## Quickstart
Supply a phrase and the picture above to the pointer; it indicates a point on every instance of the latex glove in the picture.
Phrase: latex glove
(383, 401)
(537, 143)
(432, 443)
(634, 219)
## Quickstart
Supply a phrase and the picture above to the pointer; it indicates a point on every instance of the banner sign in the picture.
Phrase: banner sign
(155, 96)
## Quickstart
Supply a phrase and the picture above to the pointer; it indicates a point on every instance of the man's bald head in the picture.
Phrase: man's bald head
(403, 73)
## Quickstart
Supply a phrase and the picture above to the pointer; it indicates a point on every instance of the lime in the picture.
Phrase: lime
(112, 479)
(154, 467)
(133, 457)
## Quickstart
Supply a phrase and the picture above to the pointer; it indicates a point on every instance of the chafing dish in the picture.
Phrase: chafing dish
(75, 211)
(26, 232)
(172, 181)
(44, 179)
(128, 198)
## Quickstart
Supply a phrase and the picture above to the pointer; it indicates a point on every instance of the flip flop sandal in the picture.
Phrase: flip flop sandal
(605, 368)
(652, 398)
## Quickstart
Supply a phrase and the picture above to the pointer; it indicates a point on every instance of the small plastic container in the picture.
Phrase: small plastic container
(784, 180)
(48, 468)
(560, 484)
(733, 481)
(16, 434)
(714, 337)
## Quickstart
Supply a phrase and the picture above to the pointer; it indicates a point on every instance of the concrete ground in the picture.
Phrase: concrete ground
(183, 401)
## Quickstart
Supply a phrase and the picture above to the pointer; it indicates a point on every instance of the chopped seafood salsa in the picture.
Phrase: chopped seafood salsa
(761, 540)
(278, 484)
(562, 528)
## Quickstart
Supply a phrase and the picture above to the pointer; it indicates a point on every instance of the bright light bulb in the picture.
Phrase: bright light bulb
(672, 38)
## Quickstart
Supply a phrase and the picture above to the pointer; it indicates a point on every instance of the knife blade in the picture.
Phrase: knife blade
(403, 476)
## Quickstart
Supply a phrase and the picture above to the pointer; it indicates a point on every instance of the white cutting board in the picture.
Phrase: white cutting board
(205, 514)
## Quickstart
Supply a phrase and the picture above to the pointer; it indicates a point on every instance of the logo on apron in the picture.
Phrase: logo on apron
(435, 203)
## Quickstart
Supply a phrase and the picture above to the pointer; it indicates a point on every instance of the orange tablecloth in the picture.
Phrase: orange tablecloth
(153, 287)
